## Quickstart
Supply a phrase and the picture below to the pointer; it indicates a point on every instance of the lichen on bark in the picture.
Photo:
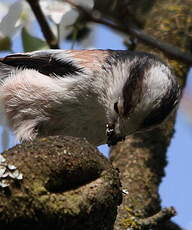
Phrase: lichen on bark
(67, 184)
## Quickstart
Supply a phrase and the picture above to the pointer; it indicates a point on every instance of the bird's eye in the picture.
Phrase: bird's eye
(116, 107)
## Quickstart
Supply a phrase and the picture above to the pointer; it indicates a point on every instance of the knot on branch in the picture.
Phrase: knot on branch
(67, 184)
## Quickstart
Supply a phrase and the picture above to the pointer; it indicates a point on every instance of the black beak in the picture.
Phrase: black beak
(112, 137)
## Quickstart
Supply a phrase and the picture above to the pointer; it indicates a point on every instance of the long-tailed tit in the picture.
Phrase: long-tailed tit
(85, 93)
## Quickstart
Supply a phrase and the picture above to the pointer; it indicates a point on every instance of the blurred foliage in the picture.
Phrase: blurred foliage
(64, 20)
(31, 43)
(5, 44)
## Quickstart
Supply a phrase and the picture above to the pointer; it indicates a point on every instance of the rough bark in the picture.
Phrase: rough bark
(67, 184)
(142, 158)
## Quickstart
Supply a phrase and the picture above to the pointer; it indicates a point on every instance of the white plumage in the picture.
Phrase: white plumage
(78, 93)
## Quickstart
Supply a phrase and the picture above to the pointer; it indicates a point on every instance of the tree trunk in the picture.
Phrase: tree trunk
(141, 159)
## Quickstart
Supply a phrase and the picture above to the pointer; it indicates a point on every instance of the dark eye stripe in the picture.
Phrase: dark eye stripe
(116, 107)
(132, 89)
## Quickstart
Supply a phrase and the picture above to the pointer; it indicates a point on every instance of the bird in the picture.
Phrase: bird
(100, 95)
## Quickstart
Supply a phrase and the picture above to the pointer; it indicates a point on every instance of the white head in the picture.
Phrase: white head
(145, 92)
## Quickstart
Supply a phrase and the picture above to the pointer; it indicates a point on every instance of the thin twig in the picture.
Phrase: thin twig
(168, 49)
(45, 28)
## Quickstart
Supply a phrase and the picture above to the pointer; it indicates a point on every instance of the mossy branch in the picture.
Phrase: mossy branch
(67, 184)
(135, 223)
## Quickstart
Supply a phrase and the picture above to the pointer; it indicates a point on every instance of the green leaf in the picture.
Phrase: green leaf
(5, 44)
(31, 43)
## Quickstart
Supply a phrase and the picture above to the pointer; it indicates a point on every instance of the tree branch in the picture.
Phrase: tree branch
(168, 49)
(141, 158)
(162, 216)
(67, 184)
(45, 28)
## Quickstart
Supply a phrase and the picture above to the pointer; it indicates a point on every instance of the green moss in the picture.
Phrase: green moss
(38, 188)
(131, 221)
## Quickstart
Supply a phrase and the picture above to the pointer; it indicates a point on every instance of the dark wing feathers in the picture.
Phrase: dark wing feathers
(44, 62)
